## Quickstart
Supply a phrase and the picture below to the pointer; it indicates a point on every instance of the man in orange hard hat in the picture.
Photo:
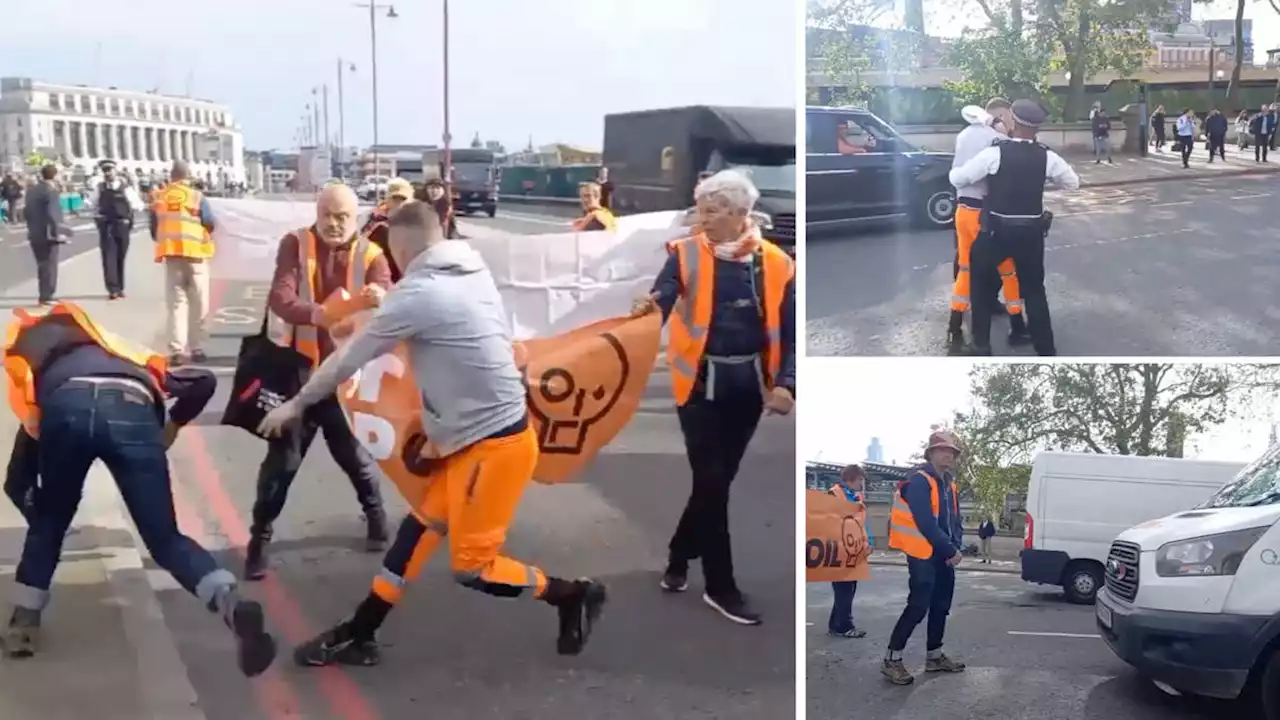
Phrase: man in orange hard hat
(925, 525)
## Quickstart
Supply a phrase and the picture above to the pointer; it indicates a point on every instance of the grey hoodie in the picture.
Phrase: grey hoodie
(448, 312)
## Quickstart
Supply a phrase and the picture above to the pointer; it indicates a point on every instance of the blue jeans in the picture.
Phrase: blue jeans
(931, 586)
(841, 620)
(1102, 148)
(80, 423)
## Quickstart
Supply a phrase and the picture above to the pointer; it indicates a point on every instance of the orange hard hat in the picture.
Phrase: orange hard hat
(944, 439)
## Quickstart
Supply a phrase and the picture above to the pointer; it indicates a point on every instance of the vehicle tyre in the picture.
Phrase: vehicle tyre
(1267, 692)
(492, 211)
(935, 210)
(1081, 582)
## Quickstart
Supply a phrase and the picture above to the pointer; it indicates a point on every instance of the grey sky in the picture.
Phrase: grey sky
(547, 68)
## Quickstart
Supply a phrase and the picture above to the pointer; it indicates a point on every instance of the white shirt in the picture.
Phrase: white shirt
(971, 141)
(987, 163)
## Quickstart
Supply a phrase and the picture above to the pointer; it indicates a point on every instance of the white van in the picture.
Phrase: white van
(1192, 600)
(1078, 503)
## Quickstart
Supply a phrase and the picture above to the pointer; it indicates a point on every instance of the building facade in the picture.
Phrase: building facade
(78, 126)
(1223, 33)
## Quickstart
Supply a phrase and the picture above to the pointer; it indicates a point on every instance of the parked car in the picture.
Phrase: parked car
(860, 169)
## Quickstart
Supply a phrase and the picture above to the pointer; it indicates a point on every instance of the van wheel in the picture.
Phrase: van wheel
(1267, 692)
(1082, 582)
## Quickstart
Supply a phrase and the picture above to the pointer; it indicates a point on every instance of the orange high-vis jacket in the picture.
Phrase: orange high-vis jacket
(600, 215)
(179, 232)
(306, 338)
(31, 340)
(691, 317)
(904, 534)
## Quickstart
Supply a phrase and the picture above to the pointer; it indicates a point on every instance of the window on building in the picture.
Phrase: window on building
(55, 102)
(155, 112)
(101, 105)
(128, 108)
(85, 105)
(115, 106)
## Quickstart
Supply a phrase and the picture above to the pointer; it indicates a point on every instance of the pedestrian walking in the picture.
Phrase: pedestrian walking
(729, 298)
(1269, 126)
(81, 395)
(1158, 128)
(46, 230)
(1242, 130)
(1101, 125)
(113, 214)
(925, 524)
(986, 531)
(1215, 131)
(10, 193)
(1186, 129)
(342, 259)
(840, 623)
(482, 452)
(1261, 139)
(1014, 223)
(182, 224)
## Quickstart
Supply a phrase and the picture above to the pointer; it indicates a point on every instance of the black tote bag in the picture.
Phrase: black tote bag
(267, 374)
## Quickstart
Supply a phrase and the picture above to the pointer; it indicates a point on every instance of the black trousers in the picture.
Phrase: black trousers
(285, 454)
(1261, 145)
(1217, 146)
(1186, 144)
(1026, 247)
(46, 254)
(113, 241)
(931, 587)
(716, 435)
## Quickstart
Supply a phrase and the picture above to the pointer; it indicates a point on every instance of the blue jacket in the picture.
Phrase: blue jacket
(944, 533)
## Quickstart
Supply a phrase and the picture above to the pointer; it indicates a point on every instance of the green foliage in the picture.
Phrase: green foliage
(36, 160)
(997, 63)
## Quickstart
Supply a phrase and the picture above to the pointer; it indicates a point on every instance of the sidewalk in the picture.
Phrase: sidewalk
(105, 649)
(1167, 166)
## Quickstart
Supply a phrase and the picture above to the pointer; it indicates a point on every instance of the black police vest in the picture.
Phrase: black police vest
(1017, 188)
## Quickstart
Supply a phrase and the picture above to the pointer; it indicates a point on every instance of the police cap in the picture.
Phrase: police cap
(107, 165)
(1028, 113)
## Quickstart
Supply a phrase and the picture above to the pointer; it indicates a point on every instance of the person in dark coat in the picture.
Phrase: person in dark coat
(435, 194)
(47, 230)
(114, 218)
(986, 531)
(1215, 130)
(10, 193)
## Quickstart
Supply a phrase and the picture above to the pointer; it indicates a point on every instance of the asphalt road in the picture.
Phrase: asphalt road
(18, 264)
(453, 653)
(1030, 655)
(1163, 269)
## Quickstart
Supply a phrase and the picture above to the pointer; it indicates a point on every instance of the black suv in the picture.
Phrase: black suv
(860, 169)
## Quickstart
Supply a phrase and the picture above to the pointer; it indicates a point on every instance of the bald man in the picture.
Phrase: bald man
(340, 258)
(449, 314)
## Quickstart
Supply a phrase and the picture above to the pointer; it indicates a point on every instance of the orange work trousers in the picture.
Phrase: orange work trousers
(471, 500)
(968, 223)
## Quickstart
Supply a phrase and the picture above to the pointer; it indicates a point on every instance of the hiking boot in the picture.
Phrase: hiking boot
(376, 537)
(579, 614)
(675, 579)
(255, 648)
(255, 557)
(22, 636)
(852, 632)
(896, 672)
(734, 606)
(942, 663)
(338, 645)
(1018, 334)
(955, 342)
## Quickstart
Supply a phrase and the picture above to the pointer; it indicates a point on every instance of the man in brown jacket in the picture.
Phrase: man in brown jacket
(332, 244)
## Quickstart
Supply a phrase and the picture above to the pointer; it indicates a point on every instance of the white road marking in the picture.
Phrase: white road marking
(1250, 197)
(1171, 204)
(540, 219)
(1055, 634)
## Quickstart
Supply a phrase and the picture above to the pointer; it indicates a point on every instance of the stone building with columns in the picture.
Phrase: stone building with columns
(78, 126)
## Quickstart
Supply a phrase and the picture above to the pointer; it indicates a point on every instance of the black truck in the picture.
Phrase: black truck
(654, 159)
(475, 178)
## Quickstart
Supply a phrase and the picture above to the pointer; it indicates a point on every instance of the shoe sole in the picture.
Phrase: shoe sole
(716, 606)
(898, 681)
(666, 587)
(257, 649)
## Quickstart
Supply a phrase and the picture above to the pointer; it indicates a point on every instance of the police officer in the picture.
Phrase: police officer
(1014, 223)
(114, 217)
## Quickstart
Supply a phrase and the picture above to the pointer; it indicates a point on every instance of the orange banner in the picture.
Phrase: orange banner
(584, 387)
(835, 533)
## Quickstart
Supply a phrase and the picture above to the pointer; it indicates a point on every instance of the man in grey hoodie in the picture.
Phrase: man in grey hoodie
(482, 448)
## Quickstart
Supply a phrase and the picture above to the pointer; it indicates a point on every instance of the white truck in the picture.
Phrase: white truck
(1192, 600)
(1077, 503)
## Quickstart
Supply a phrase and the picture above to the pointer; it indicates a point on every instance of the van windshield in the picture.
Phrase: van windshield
(1257, 484)
(777, 179)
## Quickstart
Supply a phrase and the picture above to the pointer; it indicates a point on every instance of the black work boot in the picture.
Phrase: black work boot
(579, 604)
(338, 645)
(1018, 334)
(955, 333)
(22, 636)
(376, 536)
(255, 557)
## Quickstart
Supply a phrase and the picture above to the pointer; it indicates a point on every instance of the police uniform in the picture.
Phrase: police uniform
(114, 218)
(1014, 225)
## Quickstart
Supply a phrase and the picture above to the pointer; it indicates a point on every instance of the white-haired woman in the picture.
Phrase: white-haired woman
(728, 296)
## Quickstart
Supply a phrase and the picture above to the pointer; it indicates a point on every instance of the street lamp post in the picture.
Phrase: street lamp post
(342, 112)
(373, 51)
(448, 138)
(328, 139)
(315, 108)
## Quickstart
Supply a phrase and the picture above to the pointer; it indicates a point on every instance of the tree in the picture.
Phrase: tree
(846, 46)
(997, 62)
(1146, 409)
(986, 471)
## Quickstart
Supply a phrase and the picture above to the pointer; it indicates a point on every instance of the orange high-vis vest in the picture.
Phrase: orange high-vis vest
(306, 338)
(179, 232)
(691, 317)
(601, 215)
(904, 534)
(31, 340)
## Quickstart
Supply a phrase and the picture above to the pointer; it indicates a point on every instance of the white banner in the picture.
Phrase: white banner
(549, 283)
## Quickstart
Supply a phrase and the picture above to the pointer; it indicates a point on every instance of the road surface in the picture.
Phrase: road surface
(453, 653)
(1030, 656)
(1163, 269)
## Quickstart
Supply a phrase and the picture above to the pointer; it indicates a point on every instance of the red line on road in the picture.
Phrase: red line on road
(343, 694)
(274, 695)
